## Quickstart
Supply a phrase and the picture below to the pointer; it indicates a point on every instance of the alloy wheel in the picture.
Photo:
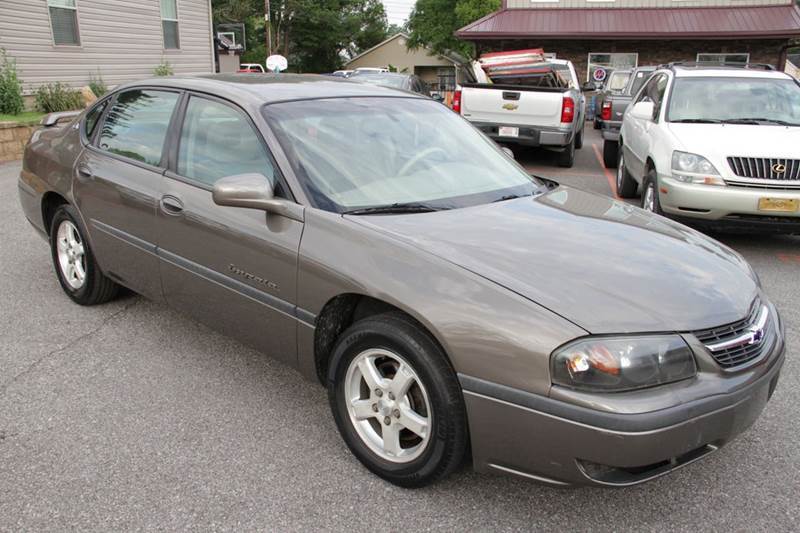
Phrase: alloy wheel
(620, 171)
(649, 200)
(388, 405)
(71, 255)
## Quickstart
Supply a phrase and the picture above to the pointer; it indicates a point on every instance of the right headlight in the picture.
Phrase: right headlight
(615, 364)
(693, 168)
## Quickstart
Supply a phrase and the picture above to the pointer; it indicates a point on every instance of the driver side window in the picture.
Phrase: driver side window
(218, 141)
(653, 91)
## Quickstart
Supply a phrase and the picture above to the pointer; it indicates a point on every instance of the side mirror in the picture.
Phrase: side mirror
(508, 151)
(252, 191)
(438, 97)
(643, 110)
(588, 87)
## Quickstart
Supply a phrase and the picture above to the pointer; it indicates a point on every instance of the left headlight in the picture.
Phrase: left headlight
(693, 168)
(615, 364)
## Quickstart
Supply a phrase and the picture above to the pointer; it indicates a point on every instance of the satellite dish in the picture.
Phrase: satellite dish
(277, 63)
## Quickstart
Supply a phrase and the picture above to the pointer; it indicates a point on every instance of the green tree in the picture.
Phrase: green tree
(433, 23)
(315, 35)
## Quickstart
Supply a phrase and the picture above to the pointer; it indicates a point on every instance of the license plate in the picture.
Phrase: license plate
(508, 131)
(779, 205)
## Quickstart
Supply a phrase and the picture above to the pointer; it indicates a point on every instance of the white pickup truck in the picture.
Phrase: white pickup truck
(537, 110)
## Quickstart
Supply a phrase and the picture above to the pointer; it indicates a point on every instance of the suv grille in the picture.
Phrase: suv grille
(740, 342)
(765, 168)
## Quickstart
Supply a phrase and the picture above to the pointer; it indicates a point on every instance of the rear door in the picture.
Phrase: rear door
(231, 268)
(118, 183)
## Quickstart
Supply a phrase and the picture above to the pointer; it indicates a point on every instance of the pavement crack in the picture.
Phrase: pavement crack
(33, 366)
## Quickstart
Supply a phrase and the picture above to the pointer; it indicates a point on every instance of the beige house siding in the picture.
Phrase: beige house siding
(394, 52)
(120, 38)
(529, 4)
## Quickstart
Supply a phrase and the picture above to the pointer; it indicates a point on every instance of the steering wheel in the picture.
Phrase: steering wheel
(417, 158)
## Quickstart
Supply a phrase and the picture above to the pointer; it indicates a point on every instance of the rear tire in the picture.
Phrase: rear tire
(610, 154)
(566, 159)
(579, 139)
(73, 259)
(410, 435)
(626, 186)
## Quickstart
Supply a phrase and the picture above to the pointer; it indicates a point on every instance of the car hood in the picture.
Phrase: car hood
(605, 265)
(721, 141)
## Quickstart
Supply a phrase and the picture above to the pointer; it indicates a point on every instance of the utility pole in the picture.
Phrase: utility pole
(268, 27)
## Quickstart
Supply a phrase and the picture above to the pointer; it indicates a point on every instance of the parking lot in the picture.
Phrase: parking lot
(130, 416)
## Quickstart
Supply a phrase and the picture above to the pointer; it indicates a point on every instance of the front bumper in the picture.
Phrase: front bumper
(529, 135)
(555, 442)
(724, 204)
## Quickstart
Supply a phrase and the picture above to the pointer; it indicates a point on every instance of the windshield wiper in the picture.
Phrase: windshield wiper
(757, 120)
(697, 121)
(395, 209)
(510, 197)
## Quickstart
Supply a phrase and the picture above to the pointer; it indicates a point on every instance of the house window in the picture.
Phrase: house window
(64, 22)
(723, 58)
(610, 63)
(169, 23)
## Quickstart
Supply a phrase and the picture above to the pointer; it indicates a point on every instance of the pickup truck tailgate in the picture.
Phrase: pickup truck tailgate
(512, 106)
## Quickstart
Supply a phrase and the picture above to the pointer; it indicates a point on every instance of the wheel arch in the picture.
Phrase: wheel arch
(51, 201)
(344, 310)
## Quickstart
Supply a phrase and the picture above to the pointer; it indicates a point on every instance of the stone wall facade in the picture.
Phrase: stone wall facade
(13, 138)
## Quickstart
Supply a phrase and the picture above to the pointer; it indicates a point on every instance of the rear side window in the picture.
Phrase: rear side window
(92, 117)
(137, 125)
(217, 141)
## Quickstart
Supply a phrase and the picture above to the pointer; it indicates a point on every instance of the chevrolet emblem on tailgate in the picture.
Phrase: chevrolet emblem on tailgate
(511, 107)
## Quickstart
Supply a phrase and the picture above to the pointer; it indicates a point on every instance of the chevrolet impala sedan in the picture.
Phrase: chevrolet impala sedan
(452, 304)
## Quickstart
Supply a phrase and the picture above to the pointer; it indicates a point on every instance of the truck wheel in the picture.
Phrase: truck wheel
(397, 401)
(610, 154)
(566, 158)
(626, 186)
(579, 140)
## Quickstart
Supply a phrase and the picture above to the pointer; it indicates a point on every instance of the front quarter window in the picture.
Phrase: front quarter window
(355, 153)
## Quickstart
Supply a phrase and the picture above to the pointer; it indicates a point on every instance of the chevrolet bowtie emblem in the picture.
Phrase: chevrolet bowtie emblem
(511, 107)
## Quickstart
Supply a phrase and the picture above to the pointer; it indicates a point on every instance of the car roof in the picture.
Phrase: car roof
(270, 88)
(726, 72)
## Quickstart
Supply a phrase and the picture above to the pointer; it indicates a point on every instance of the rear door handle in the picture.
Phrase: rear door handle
(171, 205)
(84, 171)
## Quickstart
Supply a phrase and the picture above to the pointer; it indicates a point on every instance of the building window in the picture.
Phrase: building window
(610, 63)
(169, 23)
(723, 58)
(64, 22)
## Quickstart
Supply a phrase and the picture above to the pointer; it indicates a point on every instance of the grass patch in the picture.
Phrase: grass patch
(29, 117)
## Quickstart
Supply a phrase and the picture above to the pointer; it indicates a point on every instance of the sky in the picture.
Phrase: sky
(397, 10)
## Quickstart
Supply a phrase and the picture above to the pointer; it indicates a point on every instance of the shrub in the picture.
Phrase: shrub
(11, 102)
(164, 69)
(56, 97)
(97, 85)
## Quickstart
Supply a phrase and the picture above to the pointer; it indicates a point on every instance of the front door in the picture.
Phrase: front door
(234, 269)
(117, 186)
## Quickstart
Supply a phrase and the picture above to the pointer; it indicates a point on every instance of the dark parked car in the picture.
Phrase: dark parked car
(406, 82)
(615, 84)
(450, 302)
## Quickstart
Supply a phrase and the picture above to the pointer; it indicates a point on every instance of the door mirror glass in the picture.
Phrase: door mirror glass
(643, 110)
(253, 191)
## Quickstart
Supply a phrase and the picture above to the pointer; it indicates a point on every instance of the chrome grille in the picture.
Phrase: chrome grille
(743, 341)
(764, 168)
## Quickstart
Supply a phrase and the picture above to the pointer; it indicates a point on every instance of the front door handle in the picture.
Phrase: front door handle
(84, 171)
(171, 205)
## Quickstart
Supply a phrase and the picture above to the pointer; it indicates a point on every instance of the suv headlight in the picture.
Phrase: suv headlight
(615, 364)
(693, 168)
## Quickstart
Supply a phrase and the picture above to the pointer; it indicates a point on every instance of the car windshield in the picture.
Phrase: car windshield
(761, 100)
(361, 153)
(385, 80)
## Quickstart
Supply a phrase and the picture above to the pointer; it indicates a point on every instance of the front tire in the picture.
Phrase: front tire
(650, 199)
(74, 262)
(626, 186)
(396, 401)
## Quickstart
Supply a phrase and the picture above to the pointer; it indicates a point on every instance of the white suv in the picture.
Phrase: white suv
(715, 145)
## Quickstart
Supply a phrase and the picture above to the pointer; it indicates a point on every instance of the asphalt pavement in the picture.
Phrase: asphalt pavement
(131, 416)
